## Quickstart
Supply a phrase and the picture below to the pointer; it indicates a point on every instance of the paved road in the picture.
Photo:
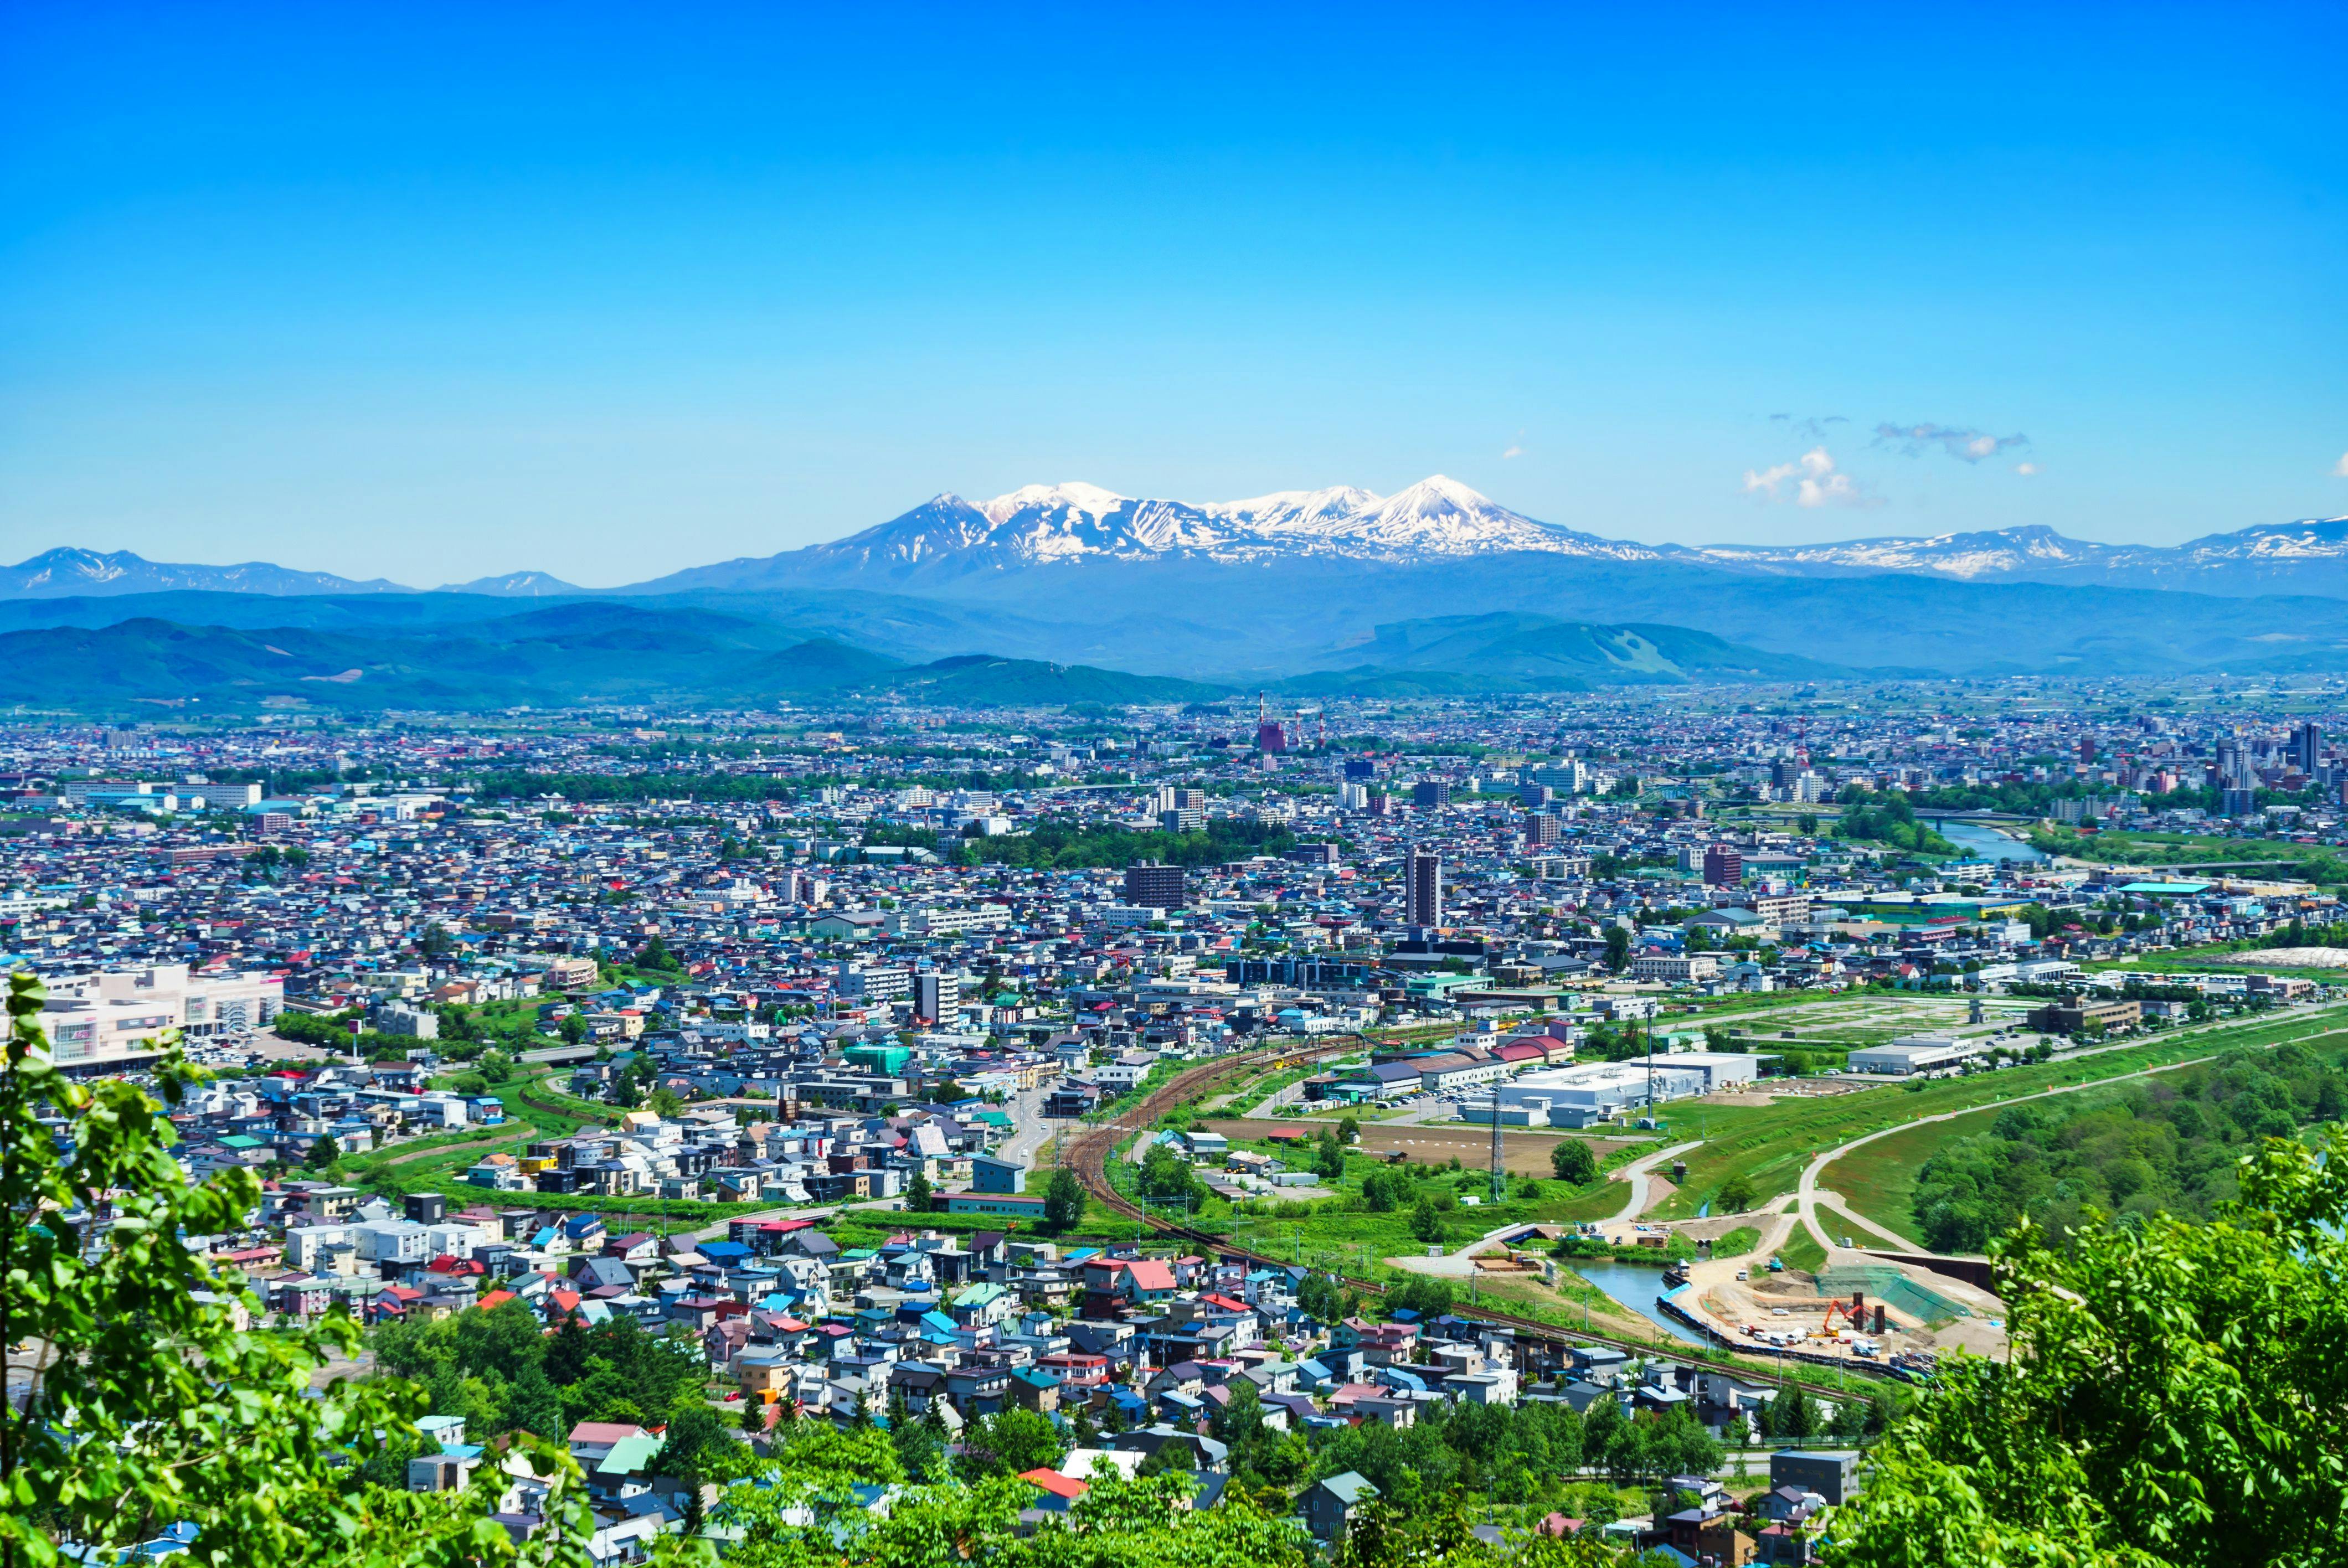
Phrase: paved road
(1032, 1132)
(1636, 1174)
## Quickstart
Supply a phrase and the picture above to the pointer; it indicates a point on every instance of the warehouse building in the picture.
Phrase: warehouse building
(1591, 1092)
(1912, 1053)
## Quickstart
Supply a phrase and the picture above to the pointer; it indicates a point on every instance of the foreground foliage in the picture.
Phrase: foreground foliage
(148, 1407)
(2177, 1394)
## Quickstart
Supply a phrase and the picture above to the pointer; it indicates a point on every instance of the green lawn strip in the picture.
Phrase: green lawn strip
(1878, 1181)
(1770, 1144)
(1802, 1251)
(1847, 1227)
(1736, 1243)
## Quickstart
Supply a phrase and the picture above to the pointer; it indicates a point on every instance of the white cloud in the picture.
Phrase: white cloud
(2025, 469)
(2339, 469)
(1813, 479)
(1514, 452)
(1965, 444)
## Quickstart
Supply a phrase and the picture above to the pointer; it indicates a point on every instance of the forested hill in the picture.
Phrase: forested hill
(2172, 1144)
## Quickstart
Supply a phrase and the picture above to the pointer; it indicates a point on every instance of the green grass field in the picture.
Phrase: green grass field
(1736, 1243)
(1802, 1251)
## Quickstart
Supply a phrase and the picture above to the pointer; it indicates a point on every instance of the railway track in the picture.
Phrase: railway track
(1089, 1155)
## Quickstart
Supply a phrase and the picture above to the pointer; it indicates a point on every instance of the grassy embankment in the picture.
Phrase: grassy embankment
(1770, 1144)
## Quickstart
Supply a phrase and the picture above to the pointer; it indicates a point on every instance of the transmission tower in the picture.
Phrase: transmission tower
(1500, 1175)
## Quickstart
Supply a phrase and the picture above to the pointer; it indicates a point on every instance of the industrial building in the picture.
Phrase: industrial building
(1592, 1091)
(1913, 1053)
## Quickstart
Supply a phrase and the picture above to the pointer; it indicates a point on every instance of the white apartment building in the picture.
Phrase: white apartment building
(1674, 968)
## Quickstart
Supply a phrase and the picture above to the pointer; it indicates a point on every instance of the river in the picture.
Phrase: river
(1636, 1286)
(1980, 839)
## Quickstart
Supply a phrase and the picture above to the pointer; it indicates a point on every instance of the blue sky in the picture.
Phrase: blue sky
(432, 292)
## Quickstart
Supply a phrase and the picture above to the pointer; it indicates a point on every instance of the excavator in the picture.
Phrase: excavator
(1837, 1307)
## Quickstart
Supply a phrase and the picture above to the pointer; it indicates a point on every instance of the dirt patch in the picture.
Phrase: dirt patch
(1523, 1153)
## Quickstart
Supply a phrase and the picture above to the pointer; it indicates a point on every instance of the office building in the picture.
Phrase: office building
(1542, 829)
(1153, 886)
(1422, 875)
(2306, 748)
(1723, 866)
(1431, 795)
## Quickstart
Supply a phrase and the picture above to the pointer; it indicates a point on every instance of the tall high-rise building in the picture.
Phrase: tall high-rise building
(2306, 748)
(1153, 886)
(935, 994)
(1423, 881)
(1724, 866)
(1429, 794)
(1542, 828)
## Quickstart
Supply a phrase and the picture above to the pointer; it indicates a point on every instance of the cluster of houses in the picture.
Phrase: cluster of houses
(1143, 1349)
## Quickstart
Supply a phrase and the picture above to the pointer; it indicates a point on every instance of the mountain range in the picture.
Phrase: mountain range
(1438, 519)
(603, 653)
(1434, 588)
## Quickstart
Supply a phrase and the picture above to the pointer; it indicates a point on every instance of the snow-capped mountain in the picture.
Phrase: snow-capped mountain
(66, 573)
(2309, 555)
(948, 539)
(2000, 552)
(1057, 525)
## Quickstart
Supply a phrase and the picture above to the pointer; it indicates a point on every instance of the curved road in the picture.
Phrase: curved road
(1637, 1172)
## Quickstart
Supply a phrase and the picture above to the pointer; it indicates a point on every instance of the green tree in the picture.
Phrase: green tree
(143, 1403)
(1168, 1177)
(1011, 1443)
(2175, 1394)
(1319, 1297)
(322, 1153)
(1735, 1196)
(699, 1447)
(1064, 1199)
(1618, 948)
(1573, 1161)
(919, 1193)
(1426, 1223)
